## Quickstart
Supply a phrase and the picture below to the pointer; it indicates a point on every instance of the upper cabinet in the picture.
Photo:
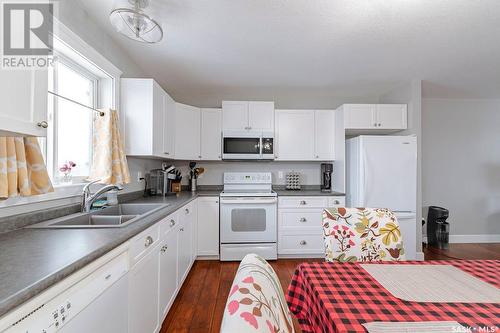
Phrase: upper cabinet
(244, 116)
(24, 102)
(149, 115)
(187, 132)
(305, 135)
(211, 134)
(386, 117)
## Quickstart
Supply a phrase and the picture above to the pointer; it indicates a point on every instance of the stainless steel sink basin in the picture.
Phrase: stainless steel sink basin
(110, 217)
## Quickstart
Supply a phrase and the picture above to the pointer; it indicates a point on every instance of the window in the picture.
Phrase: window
(69, 138)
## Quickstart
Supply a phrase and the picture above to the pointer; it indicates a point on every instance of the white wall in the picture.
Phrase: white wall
(461, 164)
(411, 94)
(310, 171)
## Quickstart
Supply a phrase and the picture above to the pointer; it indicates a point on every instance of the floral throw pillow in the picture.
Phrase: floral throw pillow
(361, 234)
(256, 302)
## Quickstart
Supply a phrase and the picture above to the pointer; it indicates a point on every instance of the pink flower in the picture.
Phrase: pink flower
(64, 168)
(345, 227)
(335, 227)
(233, 307)
(250, 318)
(351, 242)
(233, 290)
(248, 280)
(270, 326)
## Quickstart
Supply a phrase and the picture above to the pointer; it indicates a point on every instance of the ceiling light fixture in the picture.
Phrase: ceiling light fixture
(135, 24)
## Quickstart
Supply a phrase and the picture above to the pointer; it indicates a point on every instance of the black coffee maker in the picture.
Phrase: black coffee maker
(326, 177)
(438, 230)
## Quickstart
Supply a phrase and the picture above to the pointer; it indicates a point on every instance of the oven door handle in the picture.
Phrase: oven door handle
(248, 201)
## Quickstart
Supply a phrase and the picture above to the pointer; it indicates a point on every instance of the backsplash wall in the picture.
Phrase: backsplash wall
(310, 171)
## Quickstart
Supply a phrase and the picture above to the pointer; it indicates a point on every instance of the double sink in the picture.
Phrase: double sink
(109, 217)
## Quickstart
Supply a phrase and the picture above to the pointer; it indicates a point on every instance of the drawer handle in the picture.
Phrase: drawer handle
(149, 241)
(181, 229)
(107, 277)
(303, 219)
(172, 223)
(303, 242)
(303, 202)
(336, 202)
(164, 248)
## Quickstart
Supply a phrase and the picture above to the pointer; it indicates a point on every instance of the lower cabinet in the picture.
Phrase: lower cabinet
(184, 240)
(300, 231)
(208, 226)
(168, 271)
(143, 294)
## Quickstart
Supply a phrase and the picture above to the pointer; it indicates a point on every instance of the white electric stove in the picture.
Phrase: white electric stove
(248, 216)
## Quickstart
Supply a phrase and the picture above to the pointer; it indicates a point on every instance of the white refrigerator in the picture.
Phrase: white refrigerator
(382, 173)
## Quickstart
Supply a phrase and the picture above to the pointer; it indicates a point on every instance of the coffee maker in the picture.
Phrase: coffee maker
(326, 177)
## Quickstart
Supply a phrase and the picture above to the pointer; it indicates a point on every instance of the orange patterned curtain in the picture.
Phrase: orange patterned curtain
(22, 168)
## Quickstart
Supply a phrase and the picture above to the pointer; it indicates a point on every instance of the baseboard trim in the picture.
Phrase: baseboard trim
(419, 256)
(488, 238)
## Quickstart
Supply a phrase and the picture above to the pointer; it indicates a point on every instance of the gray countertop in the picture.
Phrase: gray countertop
(32, 260)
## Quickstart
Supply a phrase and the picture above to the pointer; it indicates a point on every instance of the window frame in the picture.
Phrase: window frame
(52, 156)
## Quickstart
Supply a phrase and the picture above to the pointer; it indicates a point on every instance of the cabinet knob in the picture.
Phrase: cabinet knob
(379, 124)
(303, 202)
(187, 211)
(317, 156)
(164, 248)
(149, 241)
(43, 124)
(303, 219)
(181, 229)
(172, 223)
(303, 242)
(167, 153)
(336, 202)
(375, 125)
(199, 156)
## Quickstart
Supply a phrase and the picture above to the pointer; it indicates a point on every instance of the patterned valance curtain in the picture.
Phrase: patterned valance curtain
(22, 168)
(109, 163)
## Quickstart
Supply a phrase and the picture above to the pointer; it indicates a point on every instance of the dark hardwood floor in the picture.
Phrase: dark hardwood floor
(200, 304)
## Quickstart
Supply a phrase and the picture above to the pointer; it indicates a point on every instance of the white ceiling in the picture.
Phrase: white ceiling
(317, 50)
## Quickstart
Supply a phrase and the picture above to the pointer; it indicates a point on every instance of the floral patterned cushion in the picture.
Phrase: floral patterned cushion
(361, 234)
(256, 302)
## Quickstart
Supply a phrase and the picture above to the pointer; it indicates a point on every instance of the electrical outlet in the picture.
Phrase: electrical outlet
(280, 174)
(139, 176)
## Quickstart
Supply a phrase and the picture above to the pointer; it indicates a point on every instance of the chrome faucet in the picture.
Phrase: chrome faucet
(88, 198)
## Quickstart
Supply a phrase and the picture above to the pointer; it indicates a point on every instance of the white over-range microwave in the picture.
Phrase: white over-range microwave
(247, 145)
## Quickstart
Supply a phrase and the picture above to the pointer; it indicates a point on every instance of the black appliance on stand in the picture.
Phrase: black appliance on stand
(326, 177)
(438, 230)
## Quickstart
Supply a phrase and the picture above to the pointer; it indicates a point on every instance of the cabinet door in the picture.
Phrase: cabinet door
(234, 115)
(208, 226)
(360, 116)
(295, 135)
(168, 271)
(158, 119)
(261, 116)
(143, 291)
(324, 135)
(187, 132)
(189, 216)
(168, 126)
(391, 116)
(211, 134)
(184, 240)
(24, 102)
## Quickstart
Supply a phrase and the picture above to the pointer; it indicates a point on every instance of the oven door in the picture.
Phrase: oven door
(248, 219)
(241, 145)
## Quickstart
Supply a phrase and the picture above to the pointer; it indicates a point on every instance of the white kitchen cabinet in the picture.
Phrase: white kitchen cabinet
(24, 102)
(324, 135)
(300, 232)
(147, 110)
(187, 132)
(208, 226)
(168, 126)
(143, 294)
(188, 216)
(243, 115)
(184, 241)
(294, 135)
(211, 134)
(168, 268)
(375, 117)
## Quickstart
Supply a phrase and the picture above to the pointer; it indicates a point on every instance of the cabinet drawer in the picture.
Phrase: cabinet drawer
(336, 201)
(303, 202)
(301, 243)
(144, 242)
(299, 218)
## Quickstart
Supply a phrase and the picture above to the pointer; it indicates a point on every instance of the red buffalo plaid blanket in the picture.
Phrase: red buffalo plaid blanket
(340, 297)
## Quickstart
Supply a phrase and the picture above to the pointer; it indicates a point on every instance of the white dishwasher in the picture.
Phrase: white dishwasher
(98, 304)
